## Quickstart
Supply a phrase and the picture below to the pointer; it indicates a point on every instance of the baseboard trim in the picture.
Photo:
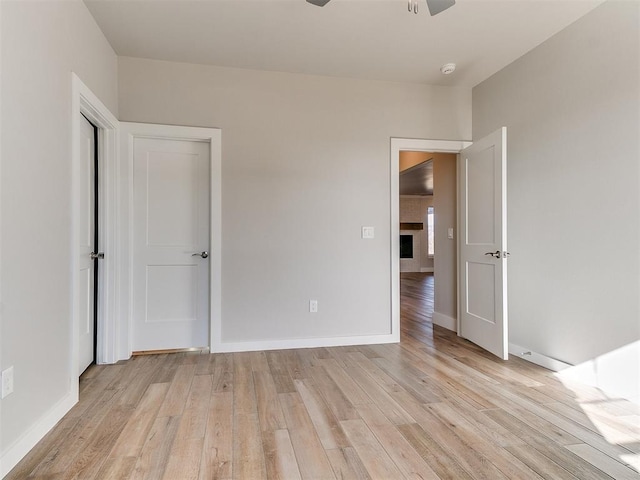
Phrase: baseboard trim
(139, 353)
(552, 364)
(445, 321)
(426, 270)
(19, 449)
(227, 347)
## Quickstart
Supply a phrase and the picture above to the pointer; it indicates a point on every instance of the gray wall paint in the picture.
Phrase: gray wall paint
(571, 109)
(445, 267)
(42, 43)
(305, 164)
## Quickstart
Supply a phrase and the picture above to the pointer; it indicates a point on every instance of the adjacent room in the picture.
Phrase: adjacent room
(319, 239)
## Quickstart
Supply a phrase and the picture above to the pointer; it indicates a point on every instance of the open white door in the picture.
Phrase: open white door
(87, 244)
(171, 178)
(482, 171)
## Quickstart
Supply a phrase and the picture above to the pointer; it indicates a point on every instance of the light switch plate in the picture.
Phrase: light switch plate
(7, 381)
(368, 232)
(450, 233)
(313, 306)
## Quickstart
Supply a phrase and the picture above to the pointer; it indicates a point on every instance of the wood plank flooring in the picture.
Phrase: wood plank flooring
(432, 407)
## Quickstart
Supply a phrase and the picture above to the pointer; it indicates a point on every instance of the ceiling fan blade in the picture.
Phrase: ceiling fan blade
(318, 3)
(437, 6)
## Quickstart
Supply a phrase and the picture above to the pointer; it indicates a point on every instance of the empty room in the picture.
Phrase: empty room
(216, 261)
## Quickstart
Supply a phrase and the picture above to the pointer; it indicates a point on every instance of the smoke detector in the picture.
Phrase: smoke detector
(448, 68)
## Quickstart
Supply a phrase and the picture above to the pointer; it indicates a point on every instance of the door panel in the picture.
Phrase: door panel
(87, 265)
(481, 227)
(172, 293)
(483, 241)
(480, 298)
(171, 224)
(173, 203)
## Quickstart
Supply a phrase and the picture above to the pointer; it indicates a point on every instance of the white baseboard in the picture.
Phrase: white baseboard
(226, 347)
(17, 451)
(547, 362)
(445, 321)
(615, 373)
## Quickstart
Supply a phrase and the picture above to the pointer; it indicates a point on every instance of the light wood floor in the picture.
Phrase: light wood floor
(433, 406)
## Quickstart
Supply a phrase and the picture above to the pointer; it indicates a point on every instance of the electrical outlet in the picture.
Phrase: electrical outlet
(7, 381)
(313, 306)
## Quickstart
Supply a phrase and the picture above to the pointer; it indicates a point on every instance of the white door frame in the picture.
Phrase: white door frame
(411, 145)
(84, 102)
(212, 136)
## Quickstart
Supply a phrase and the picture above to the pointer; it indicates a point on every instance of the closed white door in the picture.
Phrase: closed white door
(87, 243)
(483, 243)
(170, 244)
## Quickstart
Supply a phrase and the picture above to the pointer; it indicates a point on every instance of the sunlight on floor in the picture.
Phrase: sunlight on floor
(616, 419)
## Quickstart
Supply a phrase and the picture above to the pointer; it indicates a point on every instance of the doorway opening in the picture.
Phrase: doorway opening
(416, 181)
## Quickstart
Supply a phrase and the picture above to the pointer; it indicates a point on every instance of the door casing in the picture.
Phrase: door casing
(128, 131)
(84, 102)
(414, 145)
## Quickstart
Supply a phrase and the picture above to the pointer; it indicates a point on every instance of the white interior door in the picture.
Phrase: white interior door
(170, 235)
(483, 243)
(87, 264)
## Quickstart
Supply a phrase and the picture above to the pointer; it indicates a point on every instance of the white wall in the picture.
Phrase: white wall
(413, 209)
(305, 164)
(42, 43)
(571, 110)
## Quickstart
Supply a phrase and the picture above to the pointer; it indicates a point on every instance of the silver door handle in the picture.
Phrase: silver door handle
(96, 256)
(201, 254)
(495, 254)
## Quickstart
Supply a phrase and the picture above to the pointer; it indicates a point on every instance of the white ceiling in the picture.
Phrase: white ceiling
(373, 39)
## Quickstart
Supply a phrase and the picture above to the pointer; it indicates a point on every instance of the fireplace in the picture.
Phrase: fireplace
(406, 246)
